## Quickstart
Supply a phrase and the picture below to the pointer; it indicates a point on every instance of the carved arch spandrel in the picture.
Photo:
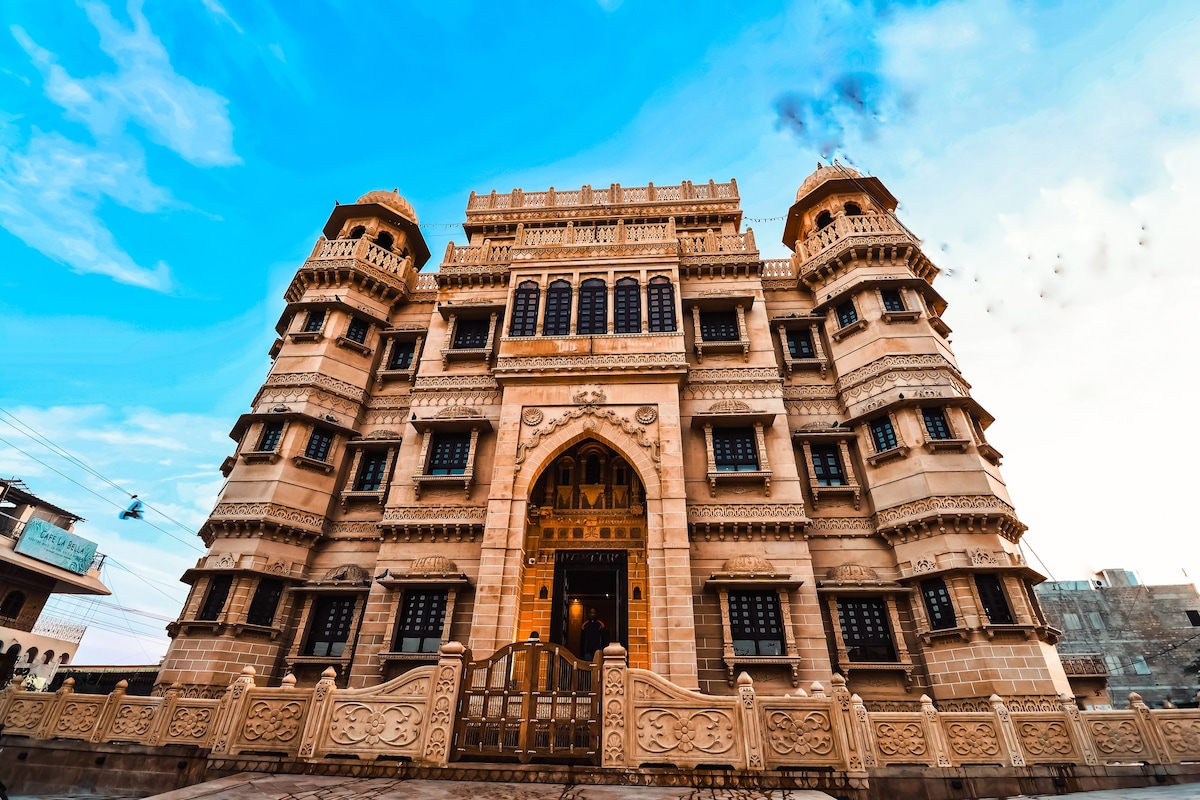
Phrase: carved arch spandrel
(538, 450)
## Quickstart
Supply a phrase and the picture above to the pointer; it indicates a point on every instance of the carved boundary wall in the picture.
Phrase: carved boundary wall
(645, 720)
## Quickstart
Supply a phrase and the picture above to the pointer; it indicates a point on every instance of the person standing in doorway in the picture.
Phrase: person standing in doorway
(594, 635)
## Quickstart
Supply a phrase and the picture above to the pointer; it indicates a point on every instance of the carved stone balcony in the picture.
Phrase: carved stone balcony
(613, 195)
(379, 271)
(818, 256)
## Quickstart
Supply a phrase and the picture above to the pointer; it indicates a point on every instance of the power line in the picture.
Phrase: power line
(45, 441)
(97, 494)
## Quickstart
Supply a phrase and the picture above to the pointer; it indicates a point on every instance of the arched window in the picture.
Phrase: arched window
(30, 655)
(852, 210)
(558, 309)
(823, 219)
(593, 307)
(357, 232)
(660, 303)
(525, 308)
(627, 306)
(385, 240)
(48, 656)
(65, 658)
(592, 470)
(12, 605)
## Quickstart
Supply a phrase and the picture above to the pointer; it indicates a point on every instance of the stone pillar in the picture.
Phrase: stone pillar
(613, 707)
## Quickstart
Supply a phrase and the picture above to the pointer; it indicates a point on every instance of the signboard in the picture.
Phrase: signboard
(52, 544)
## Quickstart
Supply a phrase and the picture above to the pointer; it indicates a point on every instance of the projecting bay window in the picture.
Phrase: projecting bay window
(266, 449)
(329, 611)
(449, 447)
(355, 337)
(802, 348)
(830, 470)
(755, 615)
(401, 355)
(894, 307)
(312, 323)
(939, 435)
(371, 465)
(885, 440)
(737, 447)
(848, 320)
(469, 337)
(720, 326)
(939, 607)
(317, 452)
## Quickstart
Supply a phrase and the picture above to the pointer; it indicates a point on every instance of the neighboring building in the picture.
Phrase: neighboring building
(40, 556)
(608, 400)
(1120, 636)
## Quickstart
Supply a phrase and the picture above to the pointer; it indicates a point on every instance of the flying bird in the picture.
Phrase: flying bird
(134, 511)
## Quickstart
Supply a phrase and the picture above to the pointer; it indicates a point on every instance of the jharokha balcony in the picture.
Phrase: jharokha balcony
(821, 252)
(1084, 665)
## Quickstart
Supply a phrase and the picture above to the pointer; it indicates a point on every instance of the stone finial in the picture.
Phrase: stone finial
(614, 650)
(744, 679)
(121, 686)
(817, 689)
(288, 682)
(926, 700)
(838, 680)
(329, 674)
(249, 671)
(1134, 698)
(451, 649)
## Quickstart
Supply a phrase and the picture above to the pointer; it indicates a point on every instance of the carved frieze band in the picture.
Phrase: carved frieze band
(734, 375)
(274, 395)
(320, 380)
(455, 383)
(607, 361)
(773, 512)
(435, 515)
(924, 365)
(944, 506)
(268, 511)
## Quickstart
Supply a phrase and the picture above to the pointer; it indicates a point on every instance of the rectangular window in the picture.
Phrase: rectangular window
(450, 452)
(370, 471)
(734, 450)
(557, 321)
(883, 435)
(1096, 620)
(991, 595)
(847, 314)
(892, 300)
(593, 308)
(318, 445)
(265, 602)
(471, 334)
(1194, 618)
(271, 434)
(865, 629)
(1071, 621)
(402, 355)
(525, 308)
(627, 306)
(357, 332)
(756, 624)
(719, 326)
(330, 627)
(935, 423)
(1140, 667)
(218, 593)
(660, 304)
(800, 344)
(315, 320)
(938, 604)
(827, 465)
(421, 620)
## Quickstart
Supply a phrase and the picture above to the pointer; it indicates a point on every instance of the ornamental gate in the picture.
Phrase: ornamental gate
(529, 700)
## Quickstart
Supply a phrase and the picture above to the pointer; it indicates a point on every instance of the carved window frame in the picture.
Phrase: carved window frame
(391, 338)
(401, 584)
(661, 296)
(780, 585)
(818, 361)
(951, 442)
(845, 329)
(526, 303)
(310, 328)
(429, 429)
(296, 654)
(906, 313)
(451, 353)
(306, 461)
(741, 344)
(258, 432)
(347, 341)
(391, 448)
(840, 438)
(714, 476)
(878, 456)
(888, 594)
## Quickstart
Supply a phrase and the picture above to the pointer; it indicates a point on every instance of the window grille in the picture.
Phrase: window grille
(847, 314)
(370, 471)
(593, 308)
(471, 334)
(827, 465)
(318, 445)
(865, 629)
(734, 450)
(525, 308)
(271, 434)
(719, 326)
(660, 301)
(218, 593)
(627, 306)
(265, 602)
(991, 595)
(557, 321)
(883, 434)
(450, 453)
(422, 617)
(330, 627)
(756, 624)
(938, 604)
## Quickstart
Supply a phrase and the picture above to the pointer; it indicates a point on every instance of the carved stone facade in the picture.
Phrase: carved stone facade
(607, 401)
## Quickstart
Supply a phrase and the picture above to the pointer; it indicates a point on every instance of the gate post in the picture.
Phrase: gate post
(1007, 732)
(613, 705)
(751, 733)
(443, 700)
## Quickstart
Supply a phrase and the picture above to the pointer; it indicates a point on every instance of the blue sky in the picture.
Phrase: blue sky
(165, 167)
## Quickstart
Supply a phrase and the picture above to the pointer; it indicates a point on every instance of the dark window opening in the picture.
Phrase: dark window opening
(265, 602)
(1194, 618)
(525, 308)
(593, 308)
(591, 470)
(402, 355)
(318, 445)
(12, 605)
(756, 624)
(370, 471)
(883, 435)
(627, 306)
(935, 423)
(214, 601)
(847, 314)
(450, 453)
(892, 301)
(564, 476)
(660, 302)
(938, 604)
(330, 628)
(471, 334)
(865, 629)
(357, 232)
(315, 320)
(557, 321)
(827, 465)
(719, 326)
(421, 620)
(385, 240)
(800, 343)
(272, 432)
(357, 332)
(991, 595)
(823, 219)
(734, 450)
(852, 210)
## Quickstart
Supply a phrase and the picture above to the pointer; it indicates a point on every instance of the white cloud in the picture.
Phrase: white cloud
(49, 194)
(192, 120)
(218, 11)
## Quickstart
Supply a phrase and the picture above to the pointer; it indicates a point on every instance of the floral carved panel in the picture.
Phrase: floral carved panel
(802, 733)
(376, 725)
(973, 740)
(683, 733)
(900, 742)
(1119, 738)
(1045, 740)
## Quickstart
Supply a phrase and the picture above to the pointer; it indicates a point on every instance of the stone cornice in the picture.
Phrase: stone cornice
(319, 380)
(931, 516)
(608, 362)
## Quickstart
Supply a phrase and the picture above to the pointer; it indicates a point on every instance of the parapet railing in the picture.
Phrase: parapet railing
(645, 719)
(56, 628)
(614, 194)
(361, 249)
(844, 227)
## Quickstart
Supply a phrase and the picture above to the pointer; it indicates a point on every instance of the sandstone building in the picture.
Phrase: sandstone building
(608, 400)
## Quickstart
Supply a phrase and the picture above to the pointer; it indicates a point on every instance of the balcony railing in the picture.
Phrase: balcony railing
(614, 194)
(361, 249)
(56, 628)
(1084, 664)
(847, 227)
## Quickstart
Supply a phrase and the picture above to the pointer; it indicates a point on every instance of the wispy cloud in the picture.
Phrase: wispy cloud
(49, 194)
(218, 11)
(176, 113)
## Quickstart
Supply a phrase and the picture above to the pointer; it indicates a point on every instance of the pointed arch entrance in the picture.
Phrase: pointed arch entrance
(585, 581)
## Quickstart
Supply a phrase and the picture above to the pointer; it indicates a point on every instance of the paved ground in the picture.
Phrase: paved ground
(289, 787)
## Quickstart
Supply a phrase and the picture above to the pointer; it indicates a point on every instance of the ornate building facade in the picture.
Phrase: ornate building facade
(607, 404)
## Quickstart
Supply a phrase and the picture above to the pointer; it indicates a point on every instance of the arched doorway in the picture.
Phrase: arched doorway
(585, 552)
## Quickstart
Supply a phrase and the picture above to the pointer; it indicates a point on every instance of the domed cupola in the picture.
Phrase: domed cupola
(383, 210)
(831, 191)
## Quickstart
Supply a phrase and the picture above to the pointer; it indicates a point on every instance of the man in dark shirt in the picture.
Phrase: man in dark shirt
(594, 636)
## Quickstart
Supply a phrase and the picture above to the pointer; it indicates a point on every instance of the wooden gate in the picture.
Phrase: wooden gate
(529, 700)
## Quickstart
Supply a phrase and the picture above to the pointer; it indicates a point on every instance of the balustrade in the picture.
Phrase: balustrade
(616, 193)
(361, 249)
(844, 227)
